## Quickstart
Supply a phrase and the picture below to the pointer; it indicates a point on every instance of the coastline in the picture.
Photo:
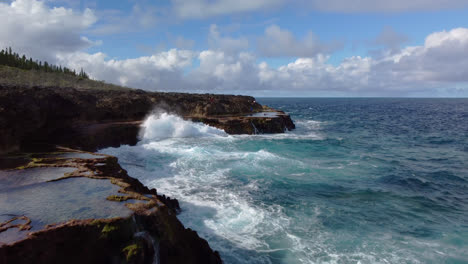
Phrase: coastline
(147, 222)
(37, 119)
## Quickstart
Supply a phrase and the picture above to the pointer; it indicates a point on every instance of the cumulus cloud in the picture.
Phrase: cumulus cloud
(162, 71)
(35, 29)
(441, 59)
(440, 64)
(279, 42)
(228, 44)
(220, 71)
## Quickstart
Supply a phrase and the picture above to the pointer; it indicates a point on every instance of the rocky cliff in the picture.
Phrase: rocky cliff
(70, 206)
(140, 227)
(84, 118)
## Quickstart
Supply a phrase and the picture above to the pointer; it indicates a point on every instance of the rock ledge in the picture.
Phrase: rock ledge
(149, 233)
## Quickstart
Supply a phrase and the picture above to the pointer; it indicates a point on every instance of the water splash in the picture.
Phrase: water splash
(163, 126)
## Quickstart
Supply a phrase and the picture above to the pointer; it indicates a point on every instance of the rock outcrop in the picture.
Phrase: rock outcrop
(279, 122)
(31, 117)
(148, 233)
(33, 120)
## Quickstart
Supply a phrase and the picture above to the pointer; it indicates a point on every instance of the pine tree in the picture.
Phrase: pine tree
(13, 59)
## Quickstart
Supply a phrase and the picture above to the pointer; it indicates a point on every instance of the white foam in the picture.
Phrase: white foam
(199, 166)
(213, 203)
(201, 174)
(163, 125)
(305, 130)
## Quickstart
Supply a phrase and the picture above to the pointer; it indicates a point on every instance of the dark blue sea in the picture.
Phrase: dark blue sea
(363, 180)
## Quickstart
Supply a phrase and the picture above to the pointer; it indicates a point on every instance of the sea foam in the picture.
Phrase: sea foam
(282, 198)
(163, 125)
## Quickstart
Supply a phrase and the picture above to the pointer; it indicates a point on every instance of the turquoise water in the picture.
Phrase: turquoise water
(359, 181)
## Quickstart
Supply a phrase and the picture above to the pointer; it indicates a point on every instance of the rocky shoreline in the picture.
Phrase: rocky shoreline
(148, 229)
(87, 209)
(91, 119)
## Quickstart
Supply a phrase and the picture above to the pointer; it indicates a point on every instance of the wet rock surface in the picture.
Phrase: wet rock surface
(258, 123)
(69, 206)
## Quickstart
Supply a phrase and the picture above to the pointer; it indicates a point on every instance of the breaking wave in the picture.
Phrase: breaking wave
(343, 190)
(163, 125)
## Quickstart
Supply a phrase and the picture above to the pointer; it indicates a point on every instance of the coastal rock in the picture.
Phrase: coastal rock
(33, 120)
(33, 117)
(276, 122)
(150, 232)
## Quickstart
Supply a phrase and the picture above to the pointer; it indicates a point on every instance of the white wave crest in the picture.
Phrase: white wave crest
(162, 126)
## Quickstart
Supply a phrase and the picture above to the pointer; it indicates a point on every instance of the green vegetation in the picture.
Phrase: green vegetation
(16, 70)
(13, 59)
(131, 251)
(118, 198)
(29, 78)
(108, 228)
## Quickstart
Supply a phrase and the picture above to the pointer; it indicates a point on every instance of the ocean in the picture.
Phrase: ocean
(362, 180)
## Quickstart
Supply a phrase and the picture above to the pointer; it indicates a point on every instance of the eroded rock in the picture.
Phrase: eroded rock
(144, 228)
(33, 118)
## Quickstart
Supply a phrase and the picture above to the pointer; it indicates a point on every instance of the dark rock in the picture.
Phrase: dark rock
(33, 117)
(169, 202)
(250, 125)
(151, 228)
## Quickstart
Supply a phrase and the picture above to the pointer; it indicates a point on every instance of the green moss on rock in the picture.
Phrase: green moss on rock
(118, 198)
(108, 229)
(131, 251)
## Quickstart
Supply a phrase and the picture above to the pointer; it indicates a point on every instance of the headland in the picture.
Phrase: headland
(62, 203)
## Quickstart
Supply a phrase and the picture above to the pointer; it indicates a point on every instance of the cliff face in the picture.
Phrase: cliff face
(78, 224)
(30, 117)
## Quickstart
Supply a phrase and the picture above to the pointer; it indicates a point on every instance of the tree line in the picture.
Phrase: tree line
(13, 59)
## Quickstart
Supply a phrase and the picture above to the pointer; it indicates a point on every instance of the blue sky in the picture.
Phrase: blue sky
(258, 47)
(356, 31)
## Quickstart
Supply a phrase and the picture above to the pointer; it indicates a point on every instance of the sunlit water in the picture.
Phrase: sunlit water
(359, 181)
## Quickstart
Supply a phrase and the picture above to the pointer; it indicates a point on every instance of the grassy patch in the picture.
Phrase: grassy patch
(30, 78)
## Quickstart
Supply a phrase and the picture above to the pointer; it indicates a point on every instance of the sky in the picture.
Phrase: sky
(264, 48)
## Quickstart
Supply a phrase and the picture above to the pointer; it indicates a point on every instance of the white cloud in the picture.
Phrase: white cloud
(162, 71)
(438, 65)
(31, 27)
(278, 42)
(206, 8)
(361, 6)
(180, 42)
(115, 21)
(220, 71)
(441, 59)
(228, 44)
(390, 39)
(199, 9)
